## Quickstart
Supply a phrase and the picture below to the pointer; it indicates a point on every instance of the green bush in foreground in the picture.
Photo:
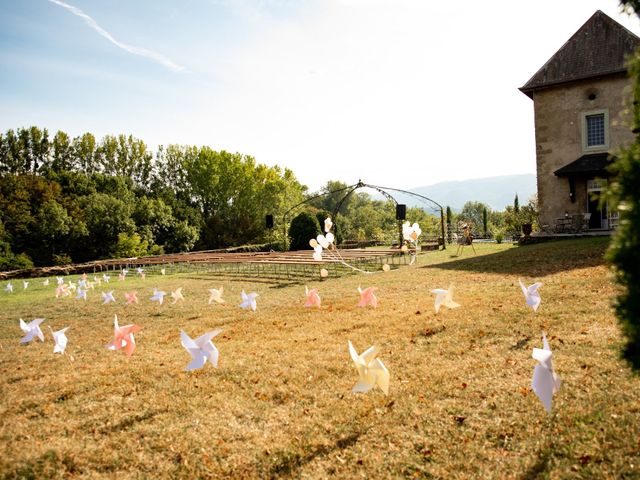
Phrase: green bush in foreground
(624, 253)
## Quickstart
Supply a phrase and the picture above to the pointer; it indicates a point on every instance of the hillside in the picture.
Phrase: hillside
(497, 192)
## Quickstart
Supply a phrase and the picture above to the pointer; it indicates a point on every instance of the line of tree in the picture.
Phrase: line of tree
(71, 200)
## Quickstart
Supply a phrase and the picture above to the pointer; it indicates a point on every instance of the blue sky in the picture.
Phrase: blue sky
(397, 92)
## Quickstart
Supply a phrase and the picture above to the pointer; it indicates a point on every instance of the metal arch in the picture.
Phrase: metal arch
(356, 186)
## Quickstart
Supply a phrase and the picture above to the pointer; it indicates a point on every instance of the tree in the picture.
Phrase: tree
(472, 213)
(485, 221)
(303, 228)
(624, 251)
(516, 204)
(449, 220)
(52, 223)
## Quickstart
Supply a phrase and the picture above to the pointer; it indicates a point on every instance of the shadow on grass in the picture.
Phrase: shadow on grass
(535, 260)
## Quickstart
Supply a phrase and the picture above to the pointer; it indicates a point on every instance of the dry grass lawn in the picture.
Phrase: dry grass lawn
(280, 404)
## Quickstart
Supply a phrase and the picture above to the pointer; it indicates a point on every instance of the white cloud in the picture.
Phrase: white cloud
(143, 52)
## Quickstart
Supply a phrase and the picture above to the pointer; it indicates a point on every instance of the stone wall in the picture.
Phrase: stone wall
(558, 122)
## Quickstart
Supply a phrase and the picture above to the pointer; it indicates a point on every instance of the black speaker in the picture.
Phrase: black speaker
(269, 220)
(401, 211)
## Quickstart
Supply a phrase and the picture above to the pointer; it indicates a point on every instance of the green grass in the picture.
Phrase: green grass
(280, 403)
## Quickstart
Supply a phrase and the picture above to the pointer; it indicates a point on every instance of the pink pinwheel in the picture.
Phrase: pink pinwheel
(367, 297)
(131, 297)
(123, 337)
(313, 298)
(62, 291)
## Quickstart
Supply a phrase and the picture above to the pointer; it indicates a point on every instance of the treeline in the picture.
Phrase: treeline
(68, 199)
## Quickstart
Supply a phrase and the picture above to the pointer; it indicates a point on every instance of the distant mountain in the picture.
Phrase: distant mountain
(497, 192)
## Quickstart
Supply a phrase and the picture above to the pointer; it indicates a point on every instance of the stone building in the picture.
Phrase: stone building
(581, 98)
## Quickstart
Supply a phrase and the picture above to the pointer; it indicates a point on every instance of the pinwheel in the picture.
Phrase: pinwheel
(545, 382)
(60, 339)
(107, 297)
(531, 295)
(123, 337)
(367, 297)
(371, 370)
(9, 288)
(444, 298)
(312, 297)
(201, 349)
(177, 296)
(248, 300)
(158, 296)
(216, 295)
(31, 330)
(131, 297)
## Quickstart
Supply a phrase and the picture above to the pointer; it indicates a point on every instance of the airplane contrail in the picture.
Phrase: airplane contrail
(161, 59)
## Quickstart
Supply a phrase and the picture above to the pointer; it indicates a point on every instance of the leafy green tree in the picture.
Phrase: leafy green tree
(303, 228)
(62, 153)
(485, 221)
(52, 224)
(130, 246)
(516, 204)
(472, 213)
(105, 217)
(84, 153)
(624, 251)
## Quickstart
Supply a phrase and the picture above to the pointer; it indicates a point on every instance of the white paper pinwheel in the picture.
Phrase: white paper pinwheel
(121, 277)
(31, 329)
(81, 294)
(371, 370)
(163, 271)
(72, 286)
(444, 298)
(60, 280)
(201, 349)
(125, 272)
(46, 283)
(158, 296)
(82, 283)
(216, 295)
(545, 382)
(106, 278)
(248, 300)
(531, 295)
(177, 296)
(25, 284)
(60, 340)
(8, 288)
(108, 297)
(139, 270)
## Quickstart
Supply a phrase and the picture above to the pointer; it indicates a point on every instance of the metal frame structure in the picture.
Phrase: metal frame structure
(435, 206)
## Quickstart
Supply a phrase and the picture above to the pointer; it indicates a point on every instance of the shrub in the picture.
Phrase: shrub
(303, 228)
(498, 235)
(624, 252)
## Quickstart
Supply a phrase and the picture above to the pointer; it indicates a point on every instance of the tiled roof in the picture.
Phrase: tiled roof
(598, 48)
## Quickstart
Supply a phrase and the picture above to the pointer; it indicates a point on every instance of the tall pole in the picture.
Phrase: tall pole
(444, 240)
